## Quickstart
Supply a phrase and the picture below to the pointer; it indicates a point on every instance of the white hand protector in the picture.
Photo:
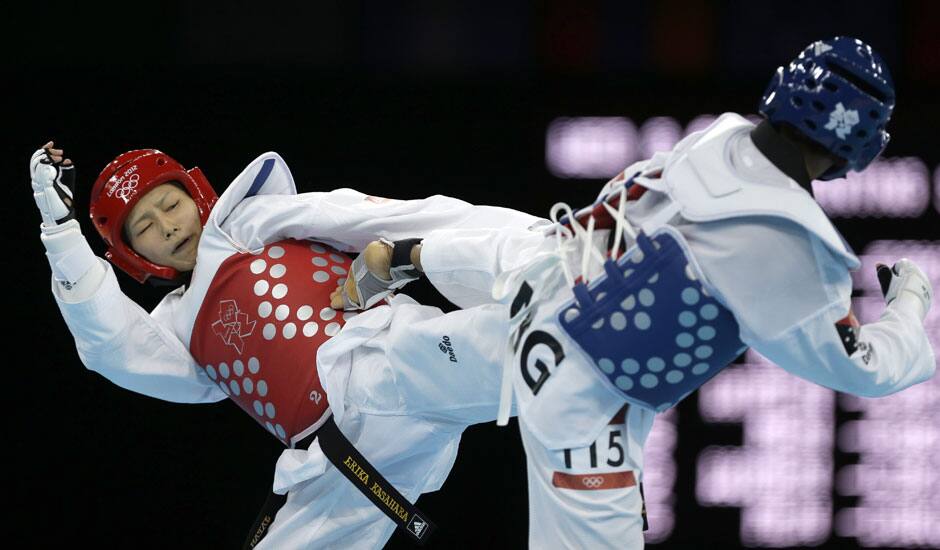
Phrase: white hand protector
(905, 286)
(53, 188)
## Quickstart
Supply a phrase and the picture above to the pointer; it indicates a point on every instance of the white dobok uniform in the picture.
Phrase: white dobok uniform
(764, 249)
(402, 380)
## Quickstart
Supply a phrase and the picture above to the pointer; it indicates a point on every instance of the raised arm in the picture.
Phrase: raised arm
(114, 336)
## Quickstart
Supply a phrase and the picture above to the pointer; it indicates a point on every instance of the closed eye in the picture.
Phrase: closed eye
(141, 232)
(174, 205)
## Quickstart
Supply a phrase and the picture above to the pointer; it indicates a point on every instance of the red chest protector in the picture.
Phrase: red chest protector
(259, 328)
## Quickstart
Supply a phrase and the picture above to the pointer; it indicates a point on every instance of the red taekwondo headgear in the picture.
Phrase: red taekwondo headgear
(118, 188)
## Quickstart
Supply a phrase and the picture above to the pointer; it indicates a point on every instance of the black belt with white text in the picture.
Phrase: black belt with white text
(360, 473)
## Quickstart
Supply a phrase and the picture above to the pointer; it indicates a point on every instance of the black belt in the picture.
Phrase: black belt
(360, 473)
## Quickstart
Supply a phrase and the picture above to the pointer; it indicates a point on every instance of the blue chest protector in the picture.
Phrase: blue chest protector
(649, 325)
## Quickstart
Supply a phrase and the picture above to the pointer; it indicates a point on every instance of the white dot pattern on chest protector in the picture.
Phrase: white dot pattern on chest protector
(706, 333)
(630, 366)
(655, 364)
(304, 313)
(606, 365)
(708, 312)
(700, 368)
(261, 288)
(674, 376)
(282, 319)
(618, 321)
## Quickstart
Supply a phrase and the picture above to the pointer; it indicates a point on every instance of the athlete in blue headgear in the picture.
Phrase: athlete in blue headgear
(685, 260)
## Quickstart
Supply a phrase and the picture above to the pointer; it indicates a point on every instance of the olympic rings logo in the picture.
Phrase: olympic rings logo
(592, 482)
(127, 188)
(125, 185)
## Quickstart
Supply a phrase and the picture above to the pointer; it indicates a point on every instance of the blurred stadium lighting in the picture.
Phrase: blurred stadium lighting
(659, 475)
(897, 438)
(658, 134)
(936, 188)
(897, 474)
(892, 187)
(698, 123)
(590, 147)
(781, 477)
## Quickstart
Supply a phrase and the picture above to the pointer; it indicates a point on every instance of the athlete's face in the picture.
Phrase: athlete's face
(164, 227)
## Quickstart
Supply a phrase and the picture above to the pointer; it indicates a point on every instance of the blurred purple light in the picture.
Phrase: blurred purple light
(897, 476)
(590, 147)
(898, 470)
(936, 188)
(659, 475)
(659, 134)
(699, 123)
(892, 187)
(781, 477)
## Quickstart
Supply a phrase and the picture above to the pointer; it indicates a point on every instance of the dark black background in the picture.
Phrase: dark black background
(400, 100)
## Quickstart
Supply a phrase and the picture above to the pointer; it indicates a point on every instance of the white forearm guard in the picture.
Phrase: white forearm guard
(74, 266)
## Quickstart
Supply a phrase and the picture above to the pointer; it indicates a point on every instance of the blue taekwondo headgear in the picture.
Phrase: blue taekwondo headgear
(839, 94)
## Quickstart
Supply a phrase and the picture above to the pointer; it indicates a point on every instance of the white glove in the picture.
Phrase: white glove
(53, 182)
(906, 287)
